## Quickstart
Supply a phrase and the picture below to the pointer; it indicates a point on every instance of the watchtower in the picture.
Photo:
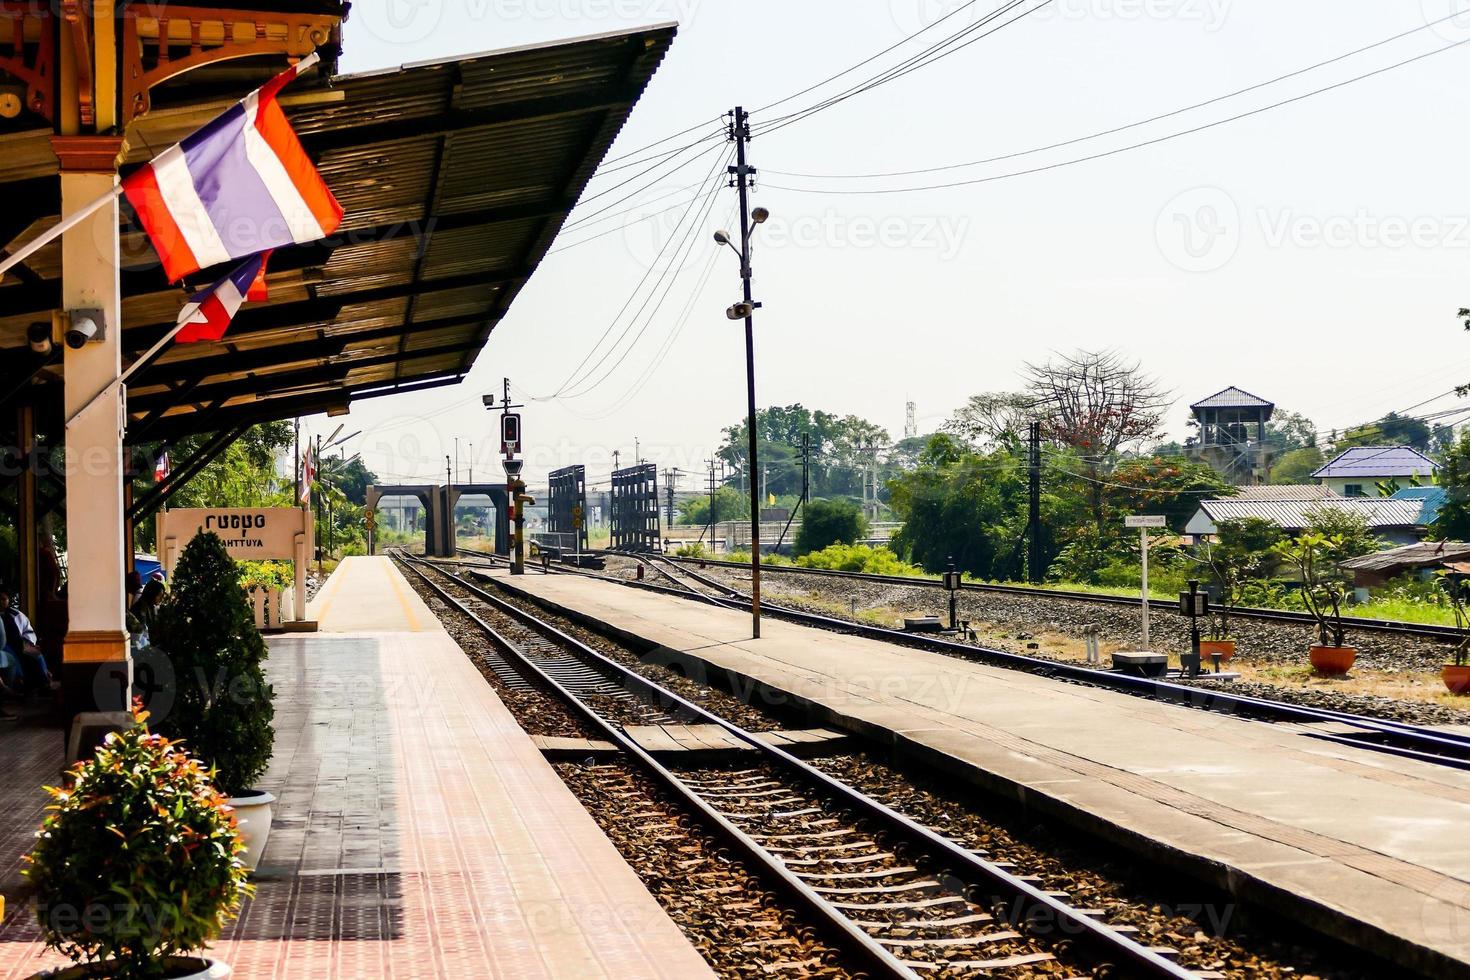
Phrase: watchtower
(1232, 435)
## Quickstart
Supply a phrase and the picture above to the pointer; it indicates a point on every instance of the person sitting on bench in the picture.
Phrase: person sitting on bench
(20, 642)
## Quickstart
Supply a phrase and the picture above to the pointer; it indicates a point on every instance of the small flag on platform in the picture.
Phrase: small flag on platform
(308, 476)
(208, 313)
(160, 469)
(239, 185)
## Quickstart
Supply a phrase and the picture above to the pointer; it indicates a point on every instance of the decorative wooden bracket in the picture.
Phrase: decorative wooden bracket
(79, 27)
(155, 37)
(36, 70)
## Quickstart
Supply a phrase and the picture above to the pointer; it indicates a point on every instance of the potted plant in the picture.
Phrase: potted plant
(1240, 553)
(1323, 592)
(1456, 676)
(137, 865)
(221, 703)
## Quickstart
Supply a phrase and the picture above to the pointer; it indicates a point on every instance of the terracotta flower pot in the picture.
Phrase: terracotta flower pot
(1225, 648)
(1332, 661)
(1456, 679)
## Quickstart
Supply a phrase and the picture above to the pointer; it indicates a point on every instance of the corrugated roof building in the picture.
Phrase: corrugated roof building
(1354, 471)
(1394, 520)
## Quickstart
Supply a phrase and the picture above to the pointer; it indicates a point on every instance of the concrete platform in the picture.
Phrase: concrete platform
(1361, 845)
(419, 833)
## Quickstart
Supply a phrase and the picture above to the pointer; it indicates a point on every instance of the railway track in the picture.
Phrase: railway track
(1435, 746)
(898, 898)
(1449, 634)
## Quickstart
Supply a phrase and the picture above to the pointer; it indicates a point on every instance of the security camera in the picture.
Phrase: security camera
(86, 326)
(740, 311)
(38, 335)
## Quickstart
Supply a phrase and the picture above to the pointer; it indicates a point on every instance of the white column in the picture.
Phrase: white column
(96, 651)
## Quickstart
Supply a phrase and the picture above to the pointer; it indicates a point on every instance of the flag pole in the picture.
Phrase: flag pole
(60, 228)
(123, 378)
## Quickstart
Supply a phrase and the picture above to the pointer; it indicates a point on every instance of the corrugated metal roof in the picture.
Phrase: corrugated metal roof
(1312, 491)
(1410, 556)
(1233, 397)
(1378, 462)
(1381, 512)
(455, 176)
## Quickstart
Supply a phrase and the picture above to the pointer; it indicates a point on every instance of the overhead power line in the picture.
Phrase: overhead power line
(1119, 129)
(1133, 146)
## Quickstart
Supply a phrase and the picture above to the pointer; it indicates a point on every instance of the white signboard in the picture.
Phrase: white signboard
(249, 534)
(1144, 520)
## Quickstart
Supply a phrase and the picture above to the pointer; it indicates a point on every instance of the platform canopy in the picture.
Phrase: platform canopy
(455, 176)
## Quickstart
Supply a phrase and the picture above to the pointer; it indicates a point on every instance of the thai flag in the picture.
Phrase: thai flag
(242, 184)
(207, 315)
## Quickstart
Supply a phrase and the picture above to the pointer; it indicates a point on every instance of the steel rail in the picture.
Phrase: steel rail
(838, 927)
(1032, 905)
(1402, 627)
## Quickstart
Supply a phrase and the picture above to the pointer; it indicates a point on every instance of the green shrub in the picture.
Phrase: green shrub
(859, 558)
(695, 550)
(267, 575)
(138, 859)
(221, 702)
(829, 522)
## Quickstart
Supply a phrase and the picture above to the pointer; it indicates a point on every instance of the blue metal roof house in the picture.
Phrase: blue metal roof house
(1355, 471)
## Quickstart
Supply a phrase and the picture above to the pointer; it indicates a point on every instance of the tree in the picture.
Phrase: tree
(1296, 466)
(1172, 486)
(221, 701)
(992, 418)
(828, 522)
(244, 475)
(1242, 551)
(1345, 533)
(1453, 522)
(730, 505)
(1391, 430)
(1288, 431)
(967, 507)
(842, 448)
(1095, 402)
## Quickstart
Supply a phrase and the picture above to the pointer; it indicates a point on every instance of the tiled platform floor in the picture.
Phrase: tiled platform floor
(418, 834)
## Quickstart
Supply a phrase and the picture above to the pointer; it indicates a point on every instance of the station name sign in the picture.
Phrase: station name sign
(249, 533)
(1145, 520)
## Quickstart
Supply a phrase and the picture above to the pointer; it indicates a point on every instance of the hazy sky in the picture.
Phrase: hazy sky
(1314, 254)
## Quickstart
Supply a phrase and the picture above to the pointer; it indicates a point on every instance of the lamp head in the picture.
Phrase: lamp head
(760, 216)
(722, 236)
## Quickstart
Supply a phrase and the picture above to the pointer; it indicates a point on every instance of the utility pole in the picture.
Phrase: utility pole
(317, 459)
(806, 452)
(712, 506)
(671, 477)
(617, 454)
(296, 472)
(456, 459)
(742, 172)
(472, 462)
(449, 529)
(1033, 520)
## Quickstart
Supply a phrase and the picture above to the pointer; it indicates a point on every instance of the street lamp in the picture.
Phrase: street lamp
(745, 310)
